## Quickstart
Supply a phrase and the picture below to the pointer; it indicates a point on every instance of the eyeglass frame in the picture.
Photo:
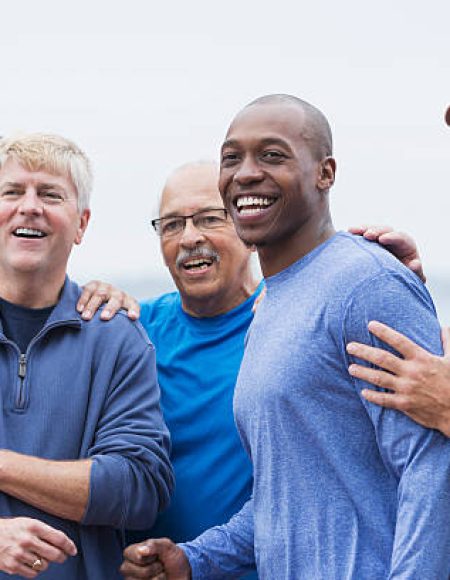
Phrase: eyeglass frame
(156, 222)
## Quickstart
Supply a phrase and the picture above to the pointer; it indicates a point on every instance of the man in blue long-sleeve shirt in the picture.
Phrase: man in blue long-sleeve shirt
(342, 489)
(84, 448)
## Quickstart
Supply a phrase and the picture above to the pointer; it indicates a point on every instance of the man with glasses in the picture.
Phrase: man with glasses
(199, 333)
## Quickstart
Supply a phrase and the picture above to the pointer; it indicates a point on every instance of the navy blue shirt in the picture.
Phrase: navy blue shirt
(21, 324)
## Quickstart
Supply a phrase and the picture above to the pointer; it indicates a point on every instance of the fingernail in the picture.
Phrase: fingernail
(106, 314)
(133, 314)
(86, 314)
(351, 348)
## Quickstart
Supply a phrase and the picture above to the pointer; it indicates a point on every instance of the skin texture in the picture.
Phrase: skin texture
(157, 559)
(32, 271)
(31, 274)
(95, 293)
(265, 154)
(418, 382)
(23, 539)
(227, 282)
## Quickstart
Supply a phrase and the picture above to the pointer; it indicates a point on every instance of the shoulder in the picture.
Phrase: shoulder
(159, 307)
(356, 261)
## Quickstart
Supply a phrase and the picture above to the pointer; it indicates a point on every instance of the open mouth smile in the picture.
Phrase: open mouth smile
(197, 264)
(253, 204)
(29, 233)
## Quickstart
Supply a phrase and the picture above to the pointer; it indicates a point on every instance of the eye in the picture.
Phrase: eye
(171, 226)
(273, 156)
(228, 158)
(11, 194)
(209, 220)
(52, 197)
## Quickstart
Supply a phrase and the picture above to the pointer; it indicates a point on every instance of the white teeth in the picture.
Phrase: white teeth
(250, 210)
(261, 201)
(198, 263)
(29, 232)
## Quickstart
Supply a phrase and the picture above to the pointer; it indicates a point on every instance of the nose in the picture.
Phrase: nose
(30, 203)
(191, 236)
(248, 171)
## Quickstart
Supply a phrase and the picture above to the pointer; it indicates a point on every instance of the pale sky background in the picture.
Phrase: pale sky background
(146, 86)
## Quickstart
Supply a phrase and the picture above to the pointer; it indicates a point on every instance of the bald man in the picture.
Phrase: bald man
(198, 332)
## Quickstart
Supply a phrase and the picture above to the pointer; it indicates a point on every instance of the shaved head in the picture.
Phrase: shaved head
(316, 130)
(198, 176)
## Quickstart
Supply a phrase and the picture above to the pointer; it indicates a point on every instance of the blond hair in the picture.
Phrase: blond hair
(52, 153)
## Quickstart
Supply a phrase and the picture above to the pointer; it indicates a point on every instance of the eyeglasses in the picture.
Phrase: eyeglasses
(204, 220)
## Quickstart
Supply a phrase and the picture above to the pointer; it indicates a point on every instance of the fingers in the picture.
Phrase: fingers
(376, 377)
(387, 400)
(56, 541)
(133, 571)
(131, 305)
(377, 356)
(139, 554)
(370, 232)
(28, 545)
(415, 266)
(96, 293)
(403, 345)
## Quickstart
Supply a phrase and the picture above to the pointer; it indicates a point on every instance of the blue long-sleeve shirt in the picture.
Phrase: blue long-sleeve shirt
(89, 390)
(343, 490)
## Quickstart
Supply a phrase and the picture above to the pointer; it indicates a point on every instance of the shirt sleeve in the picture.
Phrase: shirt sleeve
(418, 458)
(131, 477)
(224, 551)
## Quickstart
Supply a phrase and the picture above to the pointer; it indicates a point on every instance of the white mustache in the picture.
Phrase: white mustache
(185, 255)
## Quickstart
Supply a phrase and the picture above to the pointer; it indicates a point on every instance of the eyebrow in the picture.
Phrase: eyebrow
(175, 214)
(39, 185)
(265, 141)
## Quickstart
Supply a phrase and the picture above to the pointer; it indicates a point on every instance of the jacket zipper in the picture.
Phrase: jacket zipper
(22, 373)
(20, 398)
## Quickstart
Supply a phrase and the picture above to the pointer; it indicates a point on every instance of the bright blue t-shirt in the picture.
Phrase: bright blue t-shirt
(198, 361)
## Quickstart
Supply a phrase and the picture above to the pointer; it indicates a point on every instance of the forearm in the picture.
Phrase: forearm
(224, 551)
(60, 488)
(422, 534)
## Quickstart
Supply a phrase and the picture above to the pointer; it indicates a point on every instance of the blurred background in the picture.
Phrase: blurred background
(144, 87)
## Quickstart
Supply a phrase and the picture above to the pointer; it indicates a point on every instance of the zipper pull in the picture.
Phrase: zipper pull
(22, 365)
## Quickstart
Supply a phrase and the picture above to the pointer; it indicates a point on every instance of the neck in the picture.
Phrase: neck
(281, 255)
(216, 304)
(31, 293)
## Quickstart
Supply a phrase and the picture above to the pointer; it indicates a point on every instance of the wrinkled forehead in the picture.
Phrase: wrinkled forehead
(191, 190)
(14, 170)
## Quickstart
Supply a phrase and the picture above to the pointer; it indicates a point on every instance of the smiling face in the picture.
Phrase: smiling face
(211, 267)
(272, 180)
(39, 223)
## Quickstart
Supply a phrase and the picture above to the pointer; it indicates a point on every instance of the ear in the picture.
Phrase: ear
(327, 172)
(84, 220)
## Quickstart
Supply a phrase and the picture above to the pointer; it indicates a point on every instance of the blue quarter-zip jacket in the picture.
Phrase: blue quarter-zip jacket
(89, 390)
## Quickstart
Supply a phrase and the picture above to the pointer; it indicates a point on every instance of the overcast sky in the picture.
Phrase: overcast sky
(145, 86)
